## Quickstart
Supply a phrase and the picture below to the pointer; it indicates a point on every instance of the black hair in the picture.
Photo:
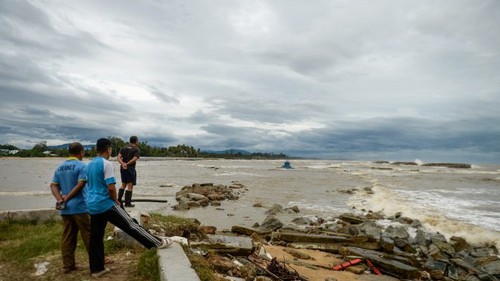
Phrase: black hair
(102, 145)
(134, 139)
(75, 148)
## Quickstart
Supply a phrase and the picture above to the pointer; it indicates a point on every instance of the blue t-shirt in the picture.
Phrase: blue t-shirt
(100, 173)
(66, 176)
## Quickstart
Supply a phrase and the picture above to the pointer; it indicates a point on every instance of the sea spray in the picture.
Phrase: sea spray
(390, 201)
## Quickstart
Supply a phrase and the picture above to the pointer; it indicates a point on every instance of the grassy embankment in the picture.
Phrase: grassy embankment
(26, 243)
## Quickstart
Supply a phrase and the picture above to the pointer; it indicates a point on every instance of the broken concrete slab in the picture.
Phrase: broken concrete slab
(387, 266)
(248, 231)
(234, 245)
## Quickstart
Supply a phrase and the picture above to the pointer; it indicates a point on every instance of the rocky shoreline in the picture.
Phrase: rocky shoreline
(362, 245)
(395, 246)
(446, 165)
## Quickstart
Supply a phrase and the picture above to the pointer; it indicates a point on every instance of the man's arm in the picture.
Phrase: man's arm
(56, 191)
(120, 160)
(112, 192)
(132, 161)
(119, 157)
(77, 188)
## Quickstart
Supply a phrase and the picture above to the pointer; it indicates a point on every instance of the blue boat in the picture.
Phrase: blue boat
(287, 165)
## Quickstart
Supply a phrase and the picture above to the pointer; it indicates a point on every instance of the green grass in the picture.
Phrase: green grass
(23, 241)
(202, 267)
(148, 267)
(173, 225)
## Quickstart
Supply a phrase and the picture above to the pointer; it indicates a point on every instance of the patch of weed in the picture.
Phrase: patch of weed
(28, 240)
(175, 226)
(148, 268)
(203, 268)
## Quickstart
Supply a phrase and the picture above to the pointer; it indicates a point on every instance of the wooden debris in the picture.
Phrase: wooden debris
(283, 272)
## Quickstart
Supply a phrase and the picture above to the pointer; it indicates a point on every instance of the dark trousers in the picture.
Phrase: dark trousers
(120, 218)
(71, 225)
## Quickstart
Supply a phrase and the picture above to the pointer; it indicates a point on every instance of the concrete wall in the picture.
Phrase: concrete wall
(37, 214)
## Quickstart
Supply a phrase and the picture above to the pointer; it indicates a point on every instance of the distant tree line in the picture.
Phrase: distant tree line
(181, 150)
(37, 150)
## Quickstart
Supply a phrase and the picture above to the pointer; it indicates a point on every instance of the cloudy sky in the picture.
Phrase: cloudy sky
(385, 80)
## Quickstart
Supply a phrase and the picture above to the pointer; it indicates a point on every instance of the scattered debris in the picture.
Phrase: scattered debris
(41, 268)
(282, 272)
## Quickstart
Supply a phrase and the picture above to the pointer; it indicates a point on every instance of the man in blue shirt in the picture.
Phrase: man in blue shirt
(68, 188)
(104, 206)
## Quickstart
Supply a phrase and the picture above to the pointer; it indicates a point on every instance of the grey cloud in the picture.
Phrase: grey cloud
(234, 137)
(156, 139)
(27, 27)
(43, 124)
(403, 134)
(381, 79)
(163, 96)
(268, 110)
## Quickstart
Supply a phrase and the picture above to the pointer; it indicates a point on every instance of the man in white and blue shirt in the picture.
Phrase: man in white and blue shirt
(104, 206)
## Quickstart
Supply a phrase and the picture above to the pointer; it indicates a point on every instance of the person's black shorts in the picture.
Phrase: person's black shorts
(128, 175)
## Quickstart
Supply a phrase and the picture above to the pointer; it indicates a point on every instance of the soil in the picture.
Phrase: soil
(124, 267)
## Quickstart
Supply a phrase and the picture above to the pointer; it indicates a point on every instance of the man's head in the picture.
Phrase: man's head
(76, 149)
(103, 147)
(134, 139)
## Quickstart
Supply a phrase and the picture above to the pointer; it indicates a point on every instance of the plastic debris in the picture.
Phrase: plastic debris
(373, 268)
(347, 264)
(41, 268)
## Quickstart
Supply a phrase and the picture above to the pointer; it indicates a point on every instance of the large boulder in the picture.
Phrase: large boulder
(275, 209)
(272, 223)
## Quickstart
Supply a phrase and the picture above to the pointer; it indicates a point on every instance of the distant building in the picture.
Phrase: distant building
(5, 151)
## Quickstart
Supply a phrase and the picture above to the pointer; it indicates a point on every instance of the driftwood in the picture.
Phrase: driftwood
(150, 200)
(283, 272)
(258, 262)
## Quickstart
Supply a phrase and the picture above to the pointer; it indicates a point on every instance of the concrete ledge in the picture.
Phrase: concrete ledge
(28, 215)
(175, 265)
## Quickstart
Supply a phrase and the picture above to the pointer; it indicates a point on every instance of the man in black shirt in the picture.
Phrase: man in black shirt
(127, 157)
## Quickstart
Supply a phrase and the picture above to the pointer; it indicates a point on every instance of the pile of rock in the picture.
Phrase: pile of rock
(204, 194)
(422, 256)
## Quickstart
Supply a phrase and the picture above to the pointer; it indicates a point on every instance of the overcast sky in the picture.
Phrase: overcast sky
(367, 80)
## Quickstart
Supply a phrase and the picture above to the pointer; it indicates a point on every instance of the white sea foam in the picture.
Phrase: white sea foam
(436, 212)
(318, 206)
(228, 174)
(319, 166)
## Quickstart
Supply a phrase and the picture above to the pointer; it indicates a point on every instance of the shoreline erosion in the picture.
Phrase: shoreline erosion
(317, 187)
(332, 184)
(396, 247)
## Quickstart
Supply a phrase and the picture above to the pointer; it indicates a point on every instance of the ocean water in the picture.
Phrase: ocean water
(460, 202)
